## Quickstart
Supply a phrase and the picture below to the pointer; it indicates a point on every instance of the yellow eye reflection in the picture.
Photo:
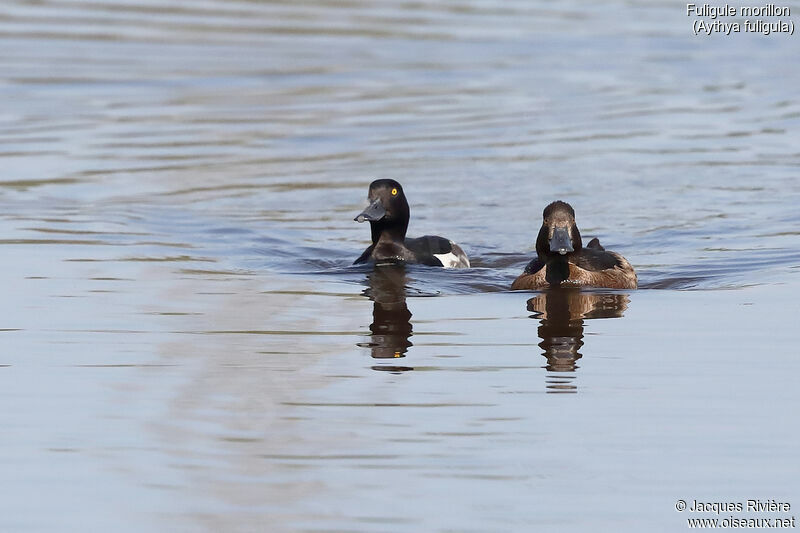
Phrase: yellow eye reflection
(394, 192)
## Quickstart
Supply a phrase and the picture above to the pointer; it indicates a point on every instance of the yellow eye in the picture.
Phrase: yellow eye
(394, 192)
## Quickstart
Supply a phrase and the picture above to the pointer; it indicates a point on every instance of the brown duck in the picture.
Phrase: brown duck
(562, 260)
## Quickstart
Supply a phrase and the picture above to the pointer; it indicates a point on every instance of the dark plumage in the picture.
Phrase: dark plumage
(563, 261)
(388, 215)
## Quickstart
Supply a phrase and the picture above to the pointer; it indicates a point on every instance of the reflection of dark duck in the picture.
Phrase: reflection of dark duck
(388, 215)
(391, 326)
(562, 313)
(563, 261)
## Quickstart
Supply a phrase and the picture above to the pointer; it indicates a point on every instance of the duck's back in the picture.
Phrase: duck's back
(598, 267)
(596, 259)
(433, 250)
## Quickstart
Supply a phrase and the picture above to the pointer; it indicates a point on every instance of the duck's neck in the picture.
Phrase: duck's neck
(557, 268)
(382, 232)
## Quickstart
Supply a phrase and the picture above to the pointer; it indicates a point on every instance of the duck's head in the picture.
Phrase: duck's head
(559, 234)
(388, 207)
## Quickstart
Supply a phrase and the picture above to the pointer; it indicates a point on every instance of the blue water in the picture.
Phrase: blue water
(187, 346)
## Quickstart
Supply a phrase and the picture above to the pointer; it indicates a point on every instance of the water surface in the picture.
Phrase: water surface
(187, 346)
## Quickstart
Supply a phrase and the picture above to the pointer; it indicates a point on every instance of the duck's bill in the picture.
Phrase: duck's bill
(560, 241)
(373, 213)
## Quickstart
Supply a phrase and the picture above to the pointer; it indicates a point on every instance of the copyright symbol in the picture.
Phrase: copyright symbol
(680, 506)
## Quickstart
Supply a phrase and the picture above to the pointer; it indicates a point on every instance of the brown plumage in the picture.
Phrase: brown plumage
(563, 261)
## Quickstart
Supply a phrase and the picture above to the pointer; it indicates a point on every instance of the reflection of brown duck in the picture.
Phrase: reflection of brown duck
(562, 313)
(562, 260)
(391, 326)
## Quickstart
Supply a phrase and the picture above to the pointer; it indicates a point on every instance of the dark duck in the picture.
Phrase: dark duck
(563, 261)
(388, 215)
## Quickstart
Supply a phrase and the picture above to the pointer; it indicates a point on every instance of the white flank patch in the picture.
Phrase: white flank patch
(451, 260)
